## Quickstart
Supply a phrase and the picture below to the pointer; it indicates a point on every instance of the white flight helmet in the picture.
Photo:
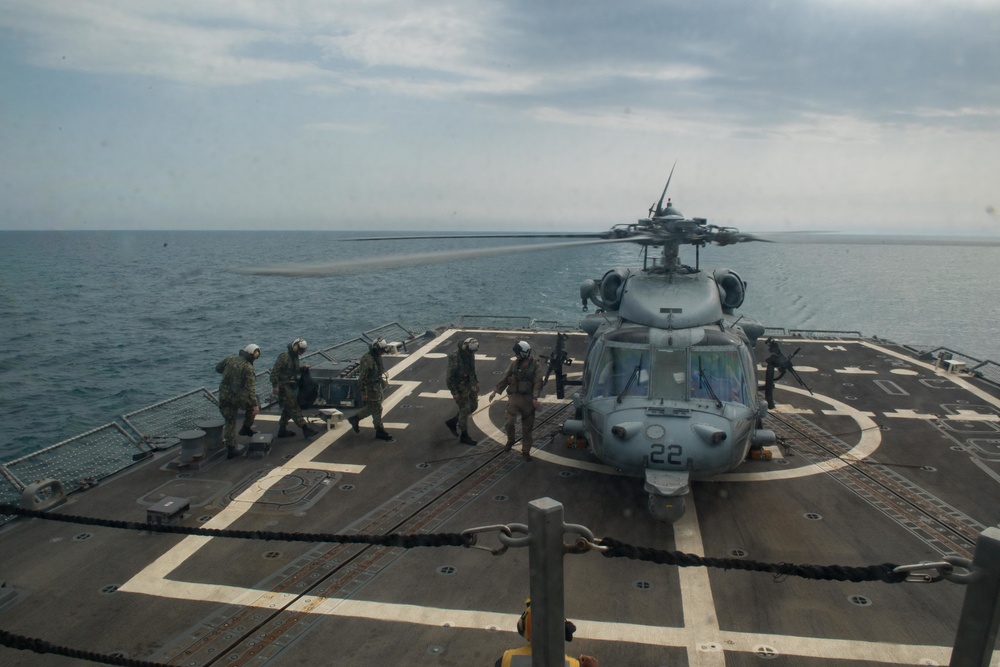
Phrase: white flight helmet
(252, 350)
(299, 345)
(380, 346)
(522, 350)
(470, 344)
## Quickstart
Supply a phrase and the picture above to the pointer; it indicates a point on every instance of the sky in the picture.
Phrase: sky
(849, 115)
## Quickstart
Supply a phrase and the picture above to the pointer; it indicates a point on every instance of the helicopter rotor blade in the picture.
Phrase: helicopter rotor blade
(837, 238)
(417, 237)
(412, 259)
(659, 205)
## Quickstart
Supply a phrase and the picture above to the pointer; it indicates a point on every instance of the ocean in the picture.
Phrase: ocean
(97, 324)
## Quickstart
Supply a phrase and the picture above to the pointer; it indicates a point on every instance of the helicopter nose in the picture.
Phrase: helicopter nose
(710, 434)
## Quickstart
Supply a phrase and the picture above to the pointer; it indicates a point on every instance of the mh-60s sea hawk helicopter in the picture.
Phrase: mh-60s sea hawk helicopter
(669, 384)
(669, 389)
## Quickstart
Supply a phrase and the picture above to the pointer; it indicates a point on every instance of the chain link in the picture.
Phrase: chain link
(929, 573)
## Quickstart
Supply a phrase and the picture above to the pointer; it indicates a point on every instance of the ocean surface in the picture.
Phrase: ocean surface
(97, 324)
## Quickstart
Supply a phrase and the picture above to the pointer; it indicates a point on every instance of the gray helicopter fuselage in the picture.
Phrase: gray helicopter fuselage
(670, 382)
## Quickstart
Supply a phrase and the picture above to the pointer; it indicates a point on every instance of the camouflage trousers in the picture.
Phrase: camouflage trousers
(468, 401)
(230, 411)
(372, 408)
(520, 404)
(290, 409)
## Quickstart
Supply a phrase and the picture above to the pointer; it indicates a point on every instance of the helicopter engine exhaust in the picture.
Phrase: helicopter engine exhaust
(606, 292)
(732, 289)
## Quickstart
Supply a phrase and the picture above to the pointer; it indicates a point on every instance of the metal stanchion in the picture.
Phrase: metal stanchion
(545, 561)
(977, 627)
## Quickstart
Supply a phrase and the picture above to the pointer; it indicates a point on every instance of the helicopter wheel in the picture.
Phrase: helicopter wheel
(668, 509)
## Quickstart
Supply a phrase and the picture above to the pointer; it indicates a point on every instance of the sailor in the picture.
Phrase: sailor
(284, 380)
(518, 657)
(464, 387)
(372, 380)
(523, 382)
(238, 391)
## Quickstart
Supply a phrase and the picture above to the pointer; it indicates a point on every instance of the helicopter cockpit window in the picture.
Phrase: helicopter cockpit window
(718, 371)
(669, 374)
(623, 371)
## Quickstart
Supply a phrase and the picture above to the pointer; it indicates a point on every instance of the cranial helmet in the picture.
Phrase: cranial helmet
(522, 350)
(299, 345)
(252, 350)
(380, 345)
(470, 344)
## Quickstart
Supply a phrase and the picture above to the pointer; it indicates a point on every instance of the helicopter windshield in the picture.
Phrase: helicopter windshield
(624, 371)
(716, 373)
(633, 367)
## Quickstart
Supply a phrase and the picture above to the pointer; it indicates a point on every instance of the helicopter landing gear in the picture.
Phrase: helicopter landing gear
(668, 509)
(666, 494)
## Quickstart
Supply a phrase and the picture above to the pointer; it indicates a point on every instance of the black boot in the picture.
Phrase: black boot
(452, 425)
(247, 431)
(465, 439)
(382, 434)
(284, 432)
(308, 432)
(353, 421)
(232, 451)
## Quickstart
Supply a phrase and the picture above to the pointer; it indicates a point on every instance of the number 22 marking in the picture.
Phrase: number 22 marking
(673, 452)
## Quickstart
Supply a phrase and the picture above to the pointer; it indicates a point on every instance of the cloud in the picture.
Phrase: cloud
(271, 109)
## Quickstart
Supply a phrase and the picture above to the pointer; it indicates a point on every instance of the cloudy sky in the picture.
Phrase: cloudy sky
(447, 114)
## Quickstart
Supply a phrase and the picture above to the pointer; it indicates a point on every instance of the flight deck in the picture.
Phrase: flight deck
(884, 456)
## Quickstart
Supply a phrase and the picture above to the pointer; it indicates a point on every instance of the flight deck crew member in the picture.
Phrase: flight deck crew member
(521, 657)
(464, 387)
(372, 380)
(284, 380)
(523, 382)
(238, 391)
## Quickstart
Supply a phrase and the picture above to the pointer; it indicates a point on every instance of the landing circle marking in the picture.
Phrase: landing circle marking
(871, 438)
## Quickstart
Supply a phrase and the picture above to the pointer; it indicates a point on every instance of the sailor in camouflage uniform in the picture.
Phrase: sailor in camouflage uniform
(284, 379)
(464, 387)
(523, 382)
(371, 378)
(238, 391)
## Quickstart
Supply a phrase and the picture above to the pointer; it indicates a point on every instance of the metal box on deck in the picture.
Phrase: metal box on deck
(338, 384)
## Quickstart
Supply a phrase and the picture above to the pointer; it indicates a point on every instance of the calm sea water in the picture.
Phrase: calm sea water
(97, 324)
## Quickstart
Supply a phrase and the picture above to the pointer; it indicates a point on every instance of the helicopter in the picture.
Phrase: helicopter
(669, 390)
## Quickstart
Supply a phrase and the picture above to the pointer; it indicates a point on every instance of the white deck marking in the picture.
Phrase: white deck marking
(798, 369)
(444, 355)
(903, 371)
(700, 619)
(854, 370)
(972, 416)
(783, 409)
(909, 414)
(701, 622)
(441, 393)
(840, 413)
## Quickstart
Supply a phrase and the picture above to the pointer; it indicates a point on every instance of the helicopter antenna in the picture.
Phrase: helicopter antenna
(659, 205)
